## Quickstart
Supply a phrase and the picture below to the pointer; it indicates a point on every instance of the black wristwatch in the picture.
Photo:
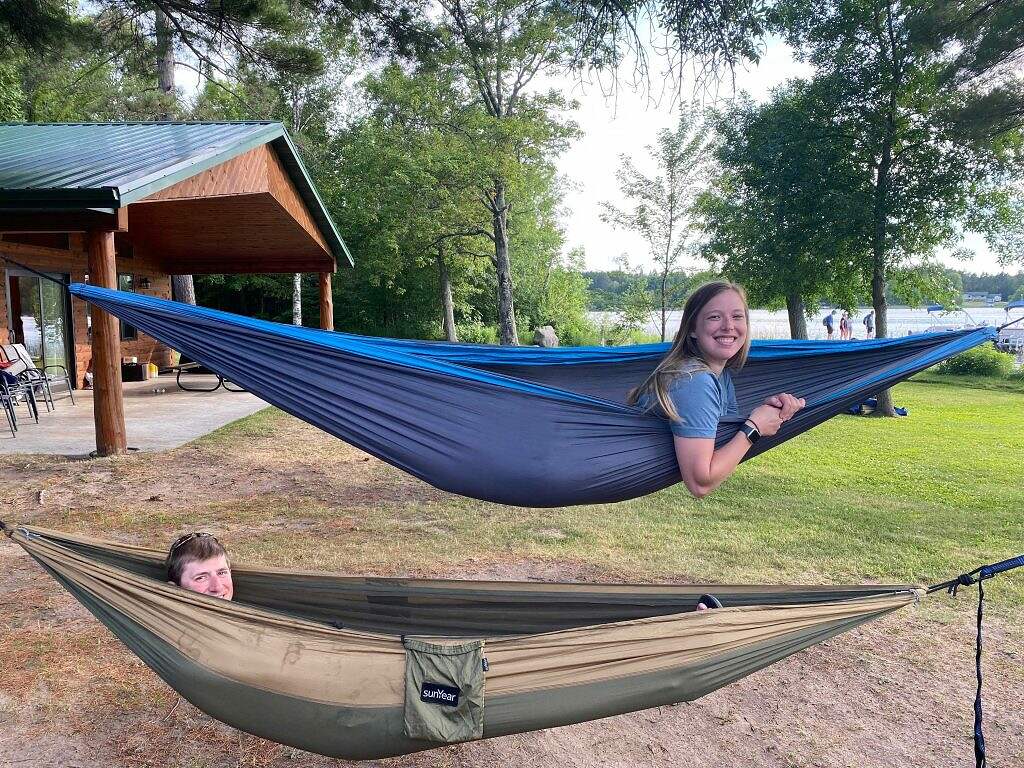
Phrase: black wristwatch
(752, 433)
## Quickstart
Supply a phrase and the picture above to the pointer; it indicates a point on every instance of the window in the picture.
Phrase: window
(127, 283)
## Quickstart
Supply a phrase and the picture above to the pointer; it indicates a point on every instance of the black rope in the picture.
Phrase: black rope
(977, 576)
(1012, 322)
(63, 284)
(979, 736)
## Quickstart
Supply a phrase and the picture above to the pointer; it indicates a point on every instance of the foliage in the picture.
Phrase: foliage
(264, 296)
(1005, 284)
(11, 96)
(925, 146)
(710, 36)
(404, 188)
(564, 304)
(985, 360)
(206, 36)
(495, 49)
(662, 205)
(79, 82)
(475, 332)
(929, 142)
(923, 283)
(784, 173)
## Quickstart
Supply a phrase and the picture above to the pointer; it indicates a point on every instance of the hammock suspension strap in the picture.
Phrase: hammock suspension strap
(1012, 322)
(978, 576)
(63, 284)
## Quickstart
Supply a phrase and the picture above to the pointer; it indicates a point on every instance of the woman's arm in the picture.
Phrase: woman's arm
(703, 468)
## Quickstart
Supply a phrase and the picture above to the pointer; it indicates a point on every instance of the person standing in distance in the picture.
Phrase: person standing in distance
(869, 325)
(829, 321)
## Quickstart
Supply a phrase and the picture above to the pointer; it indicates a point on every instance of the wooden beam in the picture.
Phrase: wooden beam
(223, 266)
(13, 220)
(326, 302)
(19, 250)
(108, 405)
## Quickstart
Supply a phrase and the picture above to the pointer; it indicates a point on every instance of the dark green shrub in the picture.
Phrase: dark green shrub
(985, 360)
(475, 332)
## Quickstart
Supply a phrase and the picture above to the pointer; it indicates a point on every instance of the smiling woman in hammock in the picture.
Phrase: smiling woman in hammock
(692, 386)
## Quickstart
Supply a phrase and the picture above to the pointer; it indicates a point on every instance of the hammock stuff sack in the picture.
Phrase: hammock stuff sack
(360, 667)
(515, 425)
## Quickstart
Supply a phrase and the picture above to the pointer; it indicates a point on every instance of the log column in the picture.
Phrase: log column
(108, 405)
(326, 302)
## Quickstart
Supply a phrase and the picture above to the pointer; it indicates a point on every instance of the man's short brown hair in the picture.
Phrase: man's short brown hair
(190, 548)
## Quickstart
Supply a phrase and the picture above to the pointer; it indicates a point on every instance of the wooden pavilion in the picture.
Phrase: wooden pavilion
(127, 205)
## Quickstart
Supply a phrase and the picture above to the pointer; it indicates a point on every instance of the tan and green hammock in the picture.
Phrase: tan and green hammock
(361, 667)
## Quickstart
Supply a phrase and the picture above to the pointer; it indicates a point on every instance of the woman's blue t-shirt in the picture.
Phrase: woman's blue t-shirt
(701, 399)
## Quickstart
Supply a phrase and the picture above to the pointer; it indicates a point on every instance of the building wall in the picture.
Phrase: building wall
(73, 261)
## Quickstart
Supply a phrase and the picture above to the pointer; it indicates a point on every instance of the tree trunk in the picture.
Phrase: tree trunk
(165, 60)
(885, 406)
(797, 316)
(503, 266)
(183, 289)
(447, 305)
(297, 299)
(664, 302)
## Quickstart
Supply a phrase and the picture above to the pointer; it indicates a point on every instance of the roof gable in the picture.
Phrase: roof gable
(110, 165)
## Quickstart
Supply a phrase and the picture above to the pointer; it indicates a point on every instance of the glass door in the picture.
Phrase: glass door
(38, 317)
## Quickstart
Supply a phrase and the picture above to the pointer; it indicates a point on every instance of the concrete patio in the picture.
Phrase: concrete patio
(158, 415)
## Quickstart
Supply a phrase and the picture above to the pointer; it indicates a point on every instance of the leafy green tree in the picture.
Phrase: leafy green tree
(637, 302)
(550, 289)
(662, 209)
(929, 138)
(404, 185)
(11, 96)
(776, 218)
(497, 48)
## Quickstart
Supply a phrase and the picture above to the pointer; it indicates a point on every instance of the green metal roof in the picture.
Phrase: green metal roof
(68, 166)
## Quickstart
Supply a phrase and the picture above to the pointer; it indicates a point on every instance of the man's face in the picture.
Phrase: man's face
(211, 577)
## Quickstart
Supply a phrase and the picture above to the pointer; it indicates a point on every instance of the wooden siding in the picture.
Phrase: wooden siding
(73, 262)
(287, 196)
(242, 175)
(230, 234)
(257, 171)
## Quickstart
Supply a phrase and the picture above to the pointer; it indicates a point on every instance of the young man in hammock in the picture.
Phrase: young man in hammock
(693, 387)
(198, 562)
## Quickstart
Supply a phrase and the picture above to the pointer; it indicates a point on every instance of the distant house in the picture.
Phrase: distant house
(127, 205)
(982, 296)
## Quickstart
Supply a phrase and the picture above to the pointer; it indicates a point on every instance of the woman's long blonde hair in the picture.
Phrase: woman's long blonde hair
(684, 356)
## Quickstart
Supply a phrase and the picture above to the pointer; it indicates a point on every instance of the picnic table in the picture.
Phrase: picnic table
(199, 368)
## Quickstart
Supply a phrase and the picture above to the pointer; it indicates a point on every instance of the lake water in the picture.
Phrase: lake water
(775, 325)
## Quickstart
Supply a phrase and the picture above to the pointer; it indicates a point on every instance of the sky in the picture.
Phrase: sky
(630, 123)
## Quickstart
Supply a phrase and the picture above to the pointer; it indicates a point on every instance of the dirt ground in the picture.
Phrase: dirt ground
(897, 692)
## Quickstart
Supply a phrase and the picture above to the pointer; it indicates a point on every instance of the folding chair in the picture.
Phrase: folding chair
(12, 392)
(39, 377)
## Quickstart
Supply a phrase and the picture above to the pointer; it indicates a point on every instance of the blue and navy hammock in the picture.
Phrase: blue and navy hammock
(516, 425)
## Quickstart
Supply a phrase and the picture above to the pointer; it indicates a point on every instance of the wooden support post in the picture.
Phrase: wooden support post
(108, 405)
(326, 302)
